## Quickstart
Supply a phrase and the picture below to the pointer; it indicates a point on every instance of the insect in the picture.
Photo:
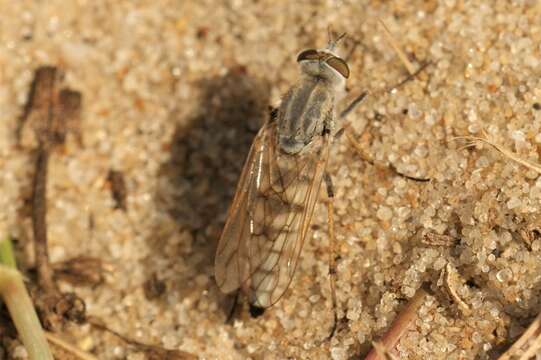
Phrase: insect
(270, 215)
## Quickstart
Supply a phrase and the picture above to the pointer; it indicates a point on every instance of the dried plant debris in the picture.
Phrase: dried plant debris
(501, 149)
(453, 283)
(81, 270)
(154, 287)
(37, 116)
(152, 352)
(50, 112)
(118, 188)
(528, 345)
(435, 239)
(531, 234)
(400, 325)
(62, 350)
(55, 308)
(39, 222)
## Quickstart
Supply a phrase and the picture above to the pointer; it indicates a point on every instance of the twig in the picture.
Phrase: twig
(527, 345)
(49, 113)
(382, 353)
(39, 222)
(399, 326)
(20, 306)
(40, 116)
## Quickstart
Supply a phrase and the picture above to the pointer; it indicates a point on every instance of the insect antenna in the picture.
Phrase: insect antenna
(331, 45)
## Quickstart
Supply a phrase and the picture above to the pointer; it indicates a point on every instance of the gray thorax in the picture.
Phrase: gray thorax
(306, 111)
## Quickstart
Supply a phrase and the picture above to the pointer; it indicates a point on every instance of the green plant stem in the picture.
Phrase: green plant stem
(20, 306)
(6, 254)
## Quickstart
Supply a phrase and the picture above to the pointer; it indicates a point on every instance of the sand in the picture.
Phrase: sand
(173, 94)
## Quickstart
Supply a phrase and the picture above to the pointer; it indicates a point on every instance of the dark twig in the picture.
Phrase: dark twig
(39, 221)
(49, 114)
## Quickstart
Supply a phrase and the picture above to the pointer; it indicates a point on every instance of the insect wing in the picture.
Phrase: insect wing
(269, 218)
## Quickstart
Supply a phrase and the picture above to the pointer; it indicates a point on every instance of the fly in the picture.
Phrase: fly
(271, 212)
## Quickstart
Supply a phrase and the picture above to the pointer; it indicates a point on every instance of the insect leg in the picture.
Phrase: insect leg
(353, 105)
(332, 259)
(410, 76)
(366, 157)
(233, 308)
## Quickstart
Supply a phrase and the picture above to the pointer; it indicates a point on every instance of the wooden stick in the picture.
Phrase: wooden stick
(399, 326)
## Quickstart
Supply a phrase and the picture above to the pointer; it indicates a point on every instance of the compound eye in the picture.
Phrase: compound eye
(310, 54)
(339, 65)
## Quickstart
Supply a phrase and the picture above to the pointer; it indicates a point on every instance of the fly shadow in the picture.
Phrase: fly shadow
(197, 184)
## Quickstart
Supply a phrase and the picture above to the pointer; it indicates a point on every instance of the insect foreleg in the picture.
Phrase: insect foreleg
(366, 157)
(352, 105)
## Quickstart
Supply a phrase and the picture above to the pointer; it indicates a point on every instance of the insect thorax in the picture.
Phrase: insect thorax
(306, 110)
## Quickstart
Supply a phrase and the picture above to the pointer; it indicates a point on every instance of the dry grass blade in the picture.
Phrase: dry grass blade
(407, 63)
(396, 47)
(507, 153)
(527, 345)
(63, 350)
(399, 326)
